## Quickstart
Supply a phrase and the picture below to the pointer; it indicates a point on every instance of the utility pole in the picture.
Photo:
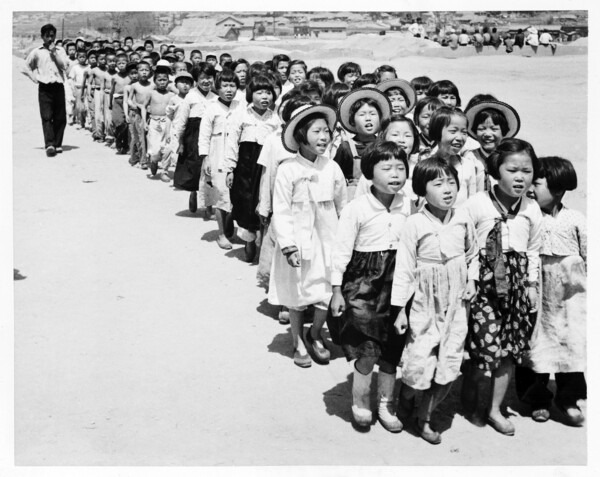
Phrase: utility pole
(63, 28)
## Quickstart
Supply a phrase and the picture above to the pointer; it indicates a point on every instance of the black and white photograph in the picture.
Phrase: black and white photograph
(301, 241)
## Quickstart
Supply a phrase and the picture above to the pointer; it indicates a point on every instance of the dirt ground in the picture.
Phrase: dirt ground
(139, 342)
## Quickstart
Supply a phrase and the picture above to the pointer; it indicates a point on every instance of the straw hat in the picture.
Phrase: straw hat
(353, 96)
(403, 85)
(184, 74)
(511, 115)
(163, 63)
(287, 136)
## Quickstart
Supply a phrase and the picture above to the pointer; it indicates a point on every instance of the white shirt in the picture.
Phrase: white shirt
(193, 106)
(426, 239)
(366, 225)
(45, 66)
(247, 126)
(521, 234)
(213, 127)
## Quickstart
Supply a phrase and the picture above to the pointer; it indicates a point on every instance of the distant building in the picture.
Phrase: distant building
(332, 30)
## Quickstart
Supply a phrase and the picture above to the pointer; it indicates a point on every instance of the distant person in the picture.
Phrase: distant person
(520, 38)
(545, 38)
(487, 37)
(463, 38)
(452, 39)
(495, 40)
(149, 46)
(532, 37)
(47, 66)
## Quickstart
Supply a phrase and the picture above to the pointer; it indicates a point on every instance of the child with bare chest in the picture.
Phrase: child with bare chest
(138, 95)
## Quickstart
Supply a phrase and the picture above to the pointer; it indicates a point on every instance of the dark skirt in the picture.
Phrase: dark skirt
(244, 192)
(366, 328)
(500, 327)
(189, 165)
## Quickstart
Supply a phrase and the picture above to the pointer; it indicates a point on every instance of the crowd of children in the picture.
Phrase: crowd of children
(426, 238)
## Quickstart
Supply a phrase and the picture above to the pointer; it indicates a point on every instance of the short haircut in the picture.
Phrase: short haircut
(421, 83)
(195, 52)
(238, 62)
(143, 63)
(224, 55)
(127, 38)
(381, 151)
(429, 170)
(101, 51)
(131, 67)
(121, 56)
(384, 69)
(364, 80)
(444, 87)
(398, 90)
(203, 68)
(440, 119)
(81, 52)
(324, 74)
(427, 102)
(495, 115)
(149, 42)
(508, 147)
(211, 57)
(559, 173)
(71, 43)
(478, 98)
(162, 70)
(279, 58)
(179, 50)
(257, 68)
(309, 87)
(297, 63)
(293, 101)
(401, 119)
(359, 104)
(258, 83)
(47, 29)
(346, 68)
(275, 79)
(226, 76)
(301, 129)
(334, 93)
(138, 49)
(155, 55)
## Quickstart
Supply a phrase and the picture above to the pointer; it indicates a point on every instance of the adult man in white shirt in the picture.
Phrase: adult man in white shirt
(47, 67)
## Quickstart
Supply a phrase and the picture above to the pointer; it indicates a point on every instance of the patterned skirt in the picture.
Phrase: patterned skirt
(366, 328)
(500, 327)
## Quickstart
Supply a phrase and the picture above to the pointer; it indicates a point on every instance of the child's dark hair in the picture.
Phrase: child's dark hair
(301, 129)
(155, 55)
(149, 42)
(257, 68)
(429, 170)
(359, 104)
(162, 70)
(507, 147)
(226, 76)
(143, 63)
(309, 87)
(324, 74)
(334, 93)
(257, 83)
(422, 83)
(47, 29)
(429, 103)
(347, 68)
(364, 80)
(222, 56)
(297, 63)
(379, 151)
(195, 52)
(444, 87)
(121, 56)
(179, 50)
(238, 62)
(210, 57)
(440, 119)
(92, 53)
(293, 102)
(401, 119)
(478, 98)
(127, 38)
(131, 67)
(203, 68)
(495, 115)
(384, 69)
(275, 79)
(559, 173)
(279, 58)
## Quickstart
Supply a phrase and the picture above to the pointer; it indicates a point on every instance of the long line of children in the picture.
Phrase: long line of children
(425, 237)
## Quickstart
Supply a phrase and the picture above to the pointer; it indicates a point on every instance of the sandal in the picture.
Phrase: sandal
(321, 354)
(540, 415)
(433, 437)
(506, 428)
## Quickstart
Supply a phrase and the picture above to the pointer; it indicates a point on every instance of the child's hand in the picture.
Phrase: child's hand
(293, 258)
(401, 323)
(338, 304)
(205, 165)
(532, 295)
(264, 221)
(229, 183)
(470, 291)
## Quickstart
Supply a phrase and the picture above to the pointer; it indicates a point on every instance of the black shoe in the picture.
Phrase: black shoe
(50, 151)
(154, 168)
(193, 202)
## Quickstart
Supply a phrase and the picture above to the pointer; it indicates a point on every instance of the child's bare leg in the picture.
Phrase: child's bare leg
(222, 241)
(431, 399)
(297, 327)
(322, 354)
(500, 380)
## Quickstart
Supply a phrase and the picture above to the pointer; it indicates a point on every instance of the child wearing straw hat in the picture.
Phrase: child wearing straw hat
(310, 192)
(489, 121)
(401, 94)
(360, 112)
